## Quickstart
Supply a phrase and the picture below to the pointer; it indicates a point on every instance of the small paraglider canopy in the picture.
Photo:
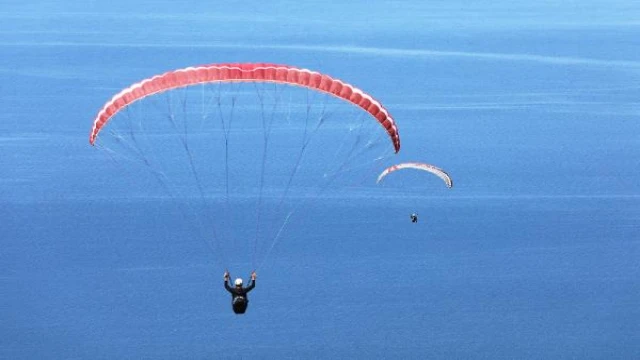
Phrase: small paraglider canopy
(418, 166)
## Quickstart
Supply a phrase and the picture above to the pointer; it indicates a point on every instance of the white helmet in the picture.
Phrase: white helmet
(238, 282)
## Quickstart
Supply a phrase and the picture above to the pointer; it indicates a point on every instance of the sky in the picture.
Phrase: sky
(532, 108)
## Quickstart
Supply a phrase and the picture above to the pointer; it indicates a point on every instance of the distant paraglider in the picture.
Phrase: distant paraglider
(414, 218)
(418, 166)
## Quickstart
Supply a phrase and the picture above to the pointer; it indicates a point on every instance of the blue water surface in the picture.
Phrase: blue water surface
(532, 109)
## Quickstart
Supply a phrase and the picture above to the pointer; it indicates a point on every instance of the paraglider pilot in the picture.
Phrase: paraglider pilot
(414, 218)
(239, 299)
